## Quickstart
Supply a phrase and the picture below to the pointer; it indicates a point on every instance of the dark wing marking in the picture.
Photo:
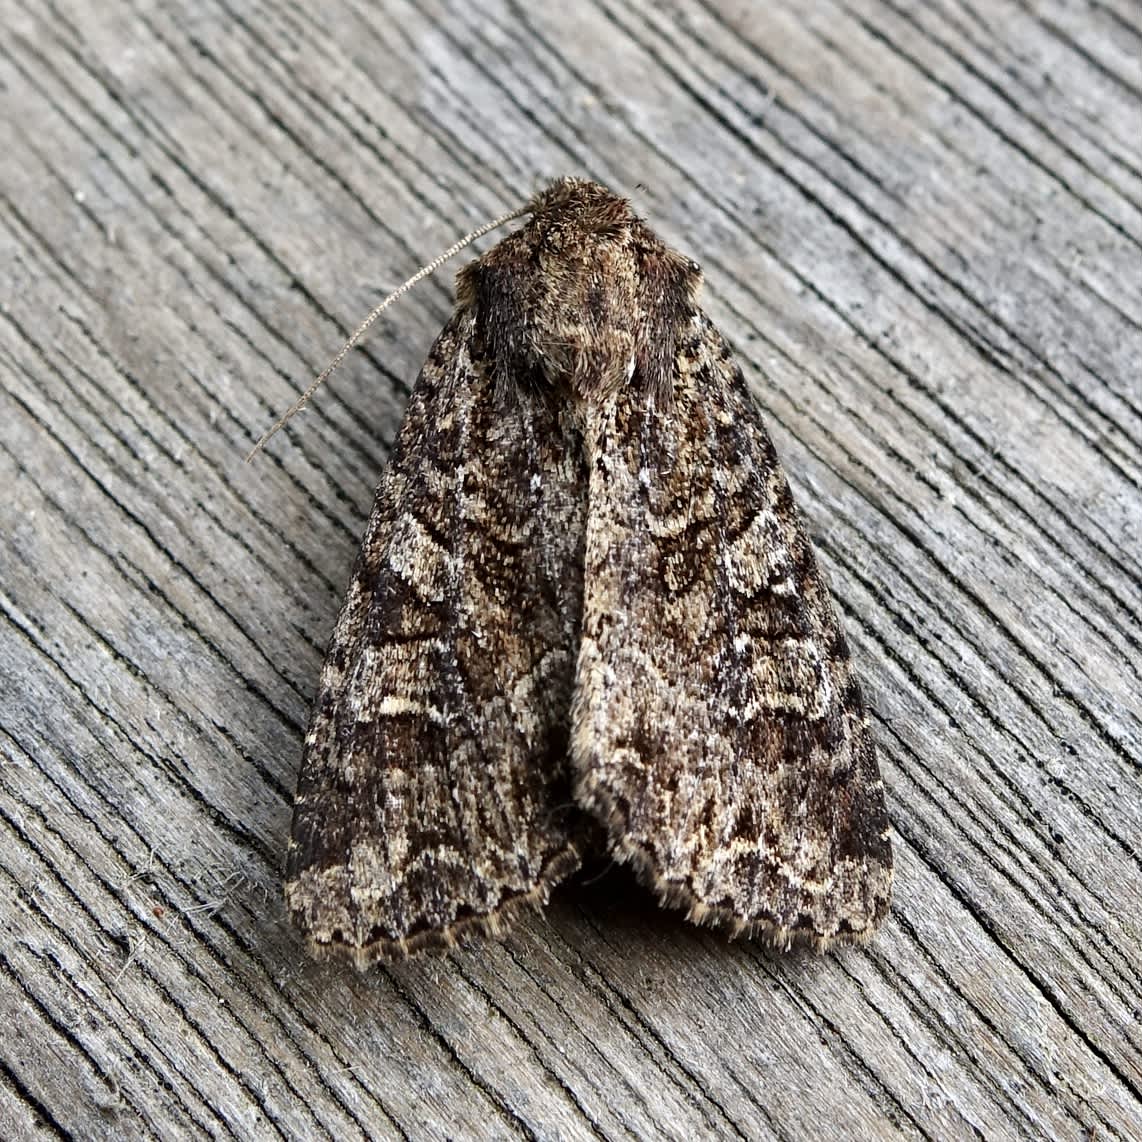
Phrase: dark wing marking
(434, 794)
(718, 732)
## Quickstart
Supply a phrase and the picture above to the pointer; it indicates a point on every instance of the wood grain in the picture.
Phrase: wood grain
(921, 226)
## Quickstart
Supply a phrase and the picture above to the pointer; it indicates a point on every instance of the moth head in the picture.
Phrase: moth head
(583, 298)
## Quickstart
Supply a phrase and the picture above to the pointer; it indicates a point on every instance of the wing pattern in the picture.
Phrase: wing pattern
(434, 790)
(718, 730)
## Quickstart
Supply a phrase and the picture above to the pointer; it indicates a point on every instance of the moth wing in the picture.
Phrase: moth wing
(434, 793)
(718, 732)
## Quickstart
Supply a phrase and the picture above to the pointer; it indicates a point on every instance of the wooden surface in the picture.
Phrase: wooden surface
(921, 226)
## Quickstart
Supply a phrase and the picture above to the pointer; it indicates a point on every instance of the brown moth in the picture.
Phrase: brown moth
(586, 616)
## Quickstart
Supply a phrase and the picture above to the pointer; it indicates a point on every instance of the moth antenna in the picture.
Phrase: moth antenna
(423, 272)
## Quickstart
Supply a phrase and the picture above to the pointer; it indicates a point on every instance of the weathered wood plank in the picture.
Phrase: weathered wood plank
(921, 226)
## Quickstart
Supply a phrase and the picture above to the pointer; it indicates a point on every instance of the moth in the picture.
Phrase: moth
(585, 619)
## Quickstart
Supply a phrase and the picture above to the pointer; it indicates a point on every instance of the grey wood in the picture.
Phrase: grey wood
(921, 226)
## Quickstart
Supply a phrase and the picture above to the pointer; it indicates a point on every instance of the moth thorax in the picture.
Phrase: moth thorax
(588, 316)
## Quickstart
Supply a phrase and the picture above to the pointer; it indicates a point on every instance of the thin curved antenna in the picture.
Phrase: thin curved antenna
(423, 272)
